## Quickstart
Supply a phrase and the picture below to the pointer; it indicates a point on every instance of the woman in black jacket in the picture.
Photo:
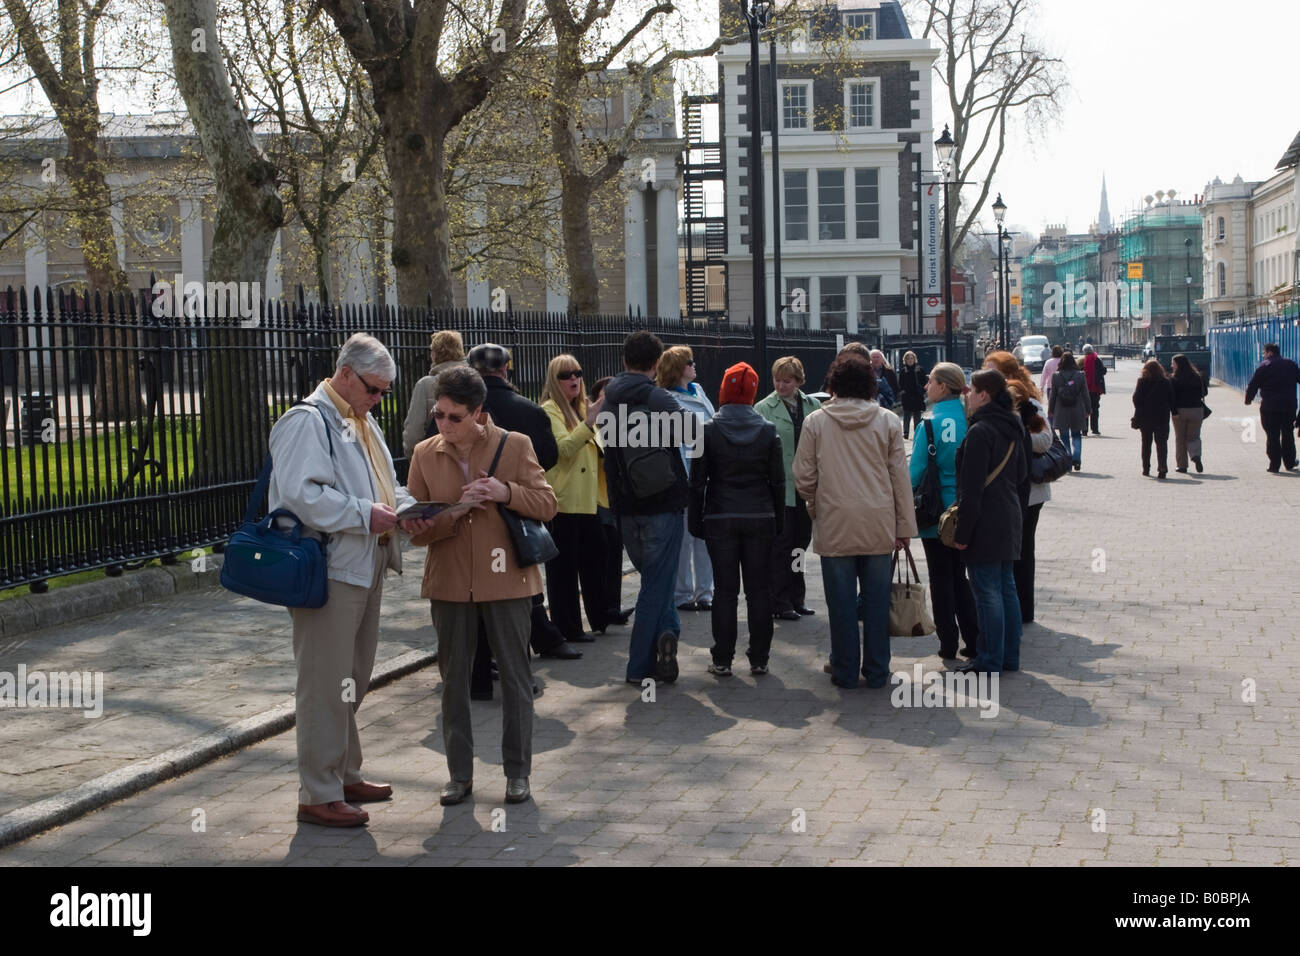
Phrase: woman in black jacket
(1189, 391)
(992, 479)
(911, 391)
(1153, 399)
(737, 506)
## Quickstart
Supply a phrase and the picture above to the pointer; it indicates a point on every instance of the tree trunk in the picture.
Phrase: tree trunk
(579, 249)
(235, 413)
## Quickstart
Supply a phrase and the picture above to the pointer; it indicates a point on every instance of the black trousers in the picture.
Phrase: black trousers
(909, 416)
(951, 598)
(1280, 439)
(581, 559)
(1094, 415)
(736, 546)
(613, 573)
(543, 636)
(1024, 568)
(788, 588)
(1161, 439)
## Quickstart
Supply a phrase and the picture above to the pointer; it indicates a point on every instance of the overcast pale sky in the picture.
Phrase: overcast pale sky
(1165, 94)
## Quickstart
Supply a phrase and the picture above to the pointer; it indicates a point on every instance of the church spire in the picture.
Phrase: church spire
(1103, 217)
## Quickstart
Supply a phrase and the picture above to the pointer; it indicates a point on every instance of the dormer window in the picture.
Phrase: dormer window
(860, 25)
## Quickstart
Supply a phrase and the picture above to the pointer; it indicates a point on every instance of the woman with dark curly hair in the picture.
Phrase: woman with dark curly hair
(1153, 401)
(851, 469)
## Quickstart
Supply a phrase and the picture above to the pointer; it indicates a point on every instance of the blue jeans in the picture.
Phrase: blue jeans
(653, 542)
(1069, 435)
(842, 578)
(998, 607)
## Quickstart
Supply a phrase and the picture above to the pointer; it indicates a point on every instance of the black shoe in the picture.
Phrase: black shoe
(635, 680)
(839, 683)
(1146, 472)
(563, 651)
(620, 616)
(969, 669)
(582, 639)
(1199, 467)
(948, 653)
(790, 615)
(969, 654)
(704, 605)
(805, 611)
(1274, 471)
(1078, 465)
(666, 657)
(1181, 471)
(1160, 475)
(688, 606)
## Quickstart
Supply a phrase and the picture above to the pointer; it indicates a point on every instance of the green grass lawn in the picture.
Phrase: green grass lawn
(46, 469)
(81, 577)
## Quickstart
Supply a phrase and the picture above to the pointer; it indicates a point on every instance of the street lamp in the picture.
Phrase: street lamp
(757, 13)
(1004, 311)
(1187, 245)
(944, 147)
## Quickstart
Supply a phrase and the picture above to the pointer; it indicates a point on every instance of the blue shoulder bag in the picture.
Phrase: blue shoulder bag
(271, 565)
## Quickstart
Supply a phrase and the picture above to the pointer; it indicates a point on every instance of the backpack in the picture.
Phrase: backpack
(647, 471)
(1068, 393)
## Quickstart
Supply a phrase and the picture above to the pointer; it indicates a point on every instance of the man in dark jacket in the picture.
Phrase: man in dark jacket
(1094, 369)
(511, 411)
(737, 507)
(642, 427)
(1275, 380)
(989, 518)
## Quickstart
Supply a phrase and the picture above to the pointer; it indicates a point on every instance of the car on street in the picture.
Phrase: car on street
(1033, 351)
(1149, 350)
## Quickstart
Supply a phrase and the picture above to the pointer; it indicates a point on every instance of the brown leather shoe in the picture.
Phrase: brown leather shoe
(336, 814)
(363, 792)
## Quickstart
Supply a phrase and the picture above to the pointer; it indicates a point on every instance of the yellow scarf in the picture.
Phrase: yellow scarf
(374, 454)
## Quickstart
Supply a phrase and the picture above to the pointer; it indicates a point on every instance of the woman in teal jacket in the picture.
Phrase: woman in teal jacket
(787, 408)
(951, 598)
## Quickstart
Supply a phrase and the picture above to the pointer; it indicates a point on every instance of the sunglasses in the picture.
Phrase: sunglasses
(370, 389)
(444, 416)
(565, 376)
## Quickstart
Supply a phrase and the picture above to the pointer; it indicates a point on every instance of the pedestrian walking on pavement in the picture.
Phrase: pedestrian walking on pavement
(576, 528)
(477, 466)
(911, 388)
(1153, 403)
(648, 492)
(737, 506)
(1094, 370)
(851, 469)
(676, 374)
(1275, 381)
(615, 613)
(446, 348)
(1027, 401)
(1190, 389)
(941, 433)
(787, 407)
(1045, 380)
(991, 474)
(890, 391)
(1070, 406)
(333, 471)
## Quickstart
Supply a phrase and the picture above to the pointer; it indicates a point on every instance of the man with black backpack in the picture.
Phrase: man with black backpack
(642, 427)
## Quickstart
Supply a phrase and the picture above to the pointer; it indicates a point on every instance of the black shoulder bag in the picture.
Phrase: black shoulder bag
(533, 543)
(927, 497)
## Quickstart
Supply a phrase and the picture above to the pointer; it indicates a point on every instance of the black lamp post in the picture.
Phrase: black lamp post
(778, 292)
(944, 147)
(756, 14)
(1187, 245)
(1000, 213)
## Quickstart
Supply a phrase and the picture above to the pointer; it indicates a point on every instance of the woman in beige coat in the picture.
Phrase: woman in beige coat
(851, 469)
(470, 571)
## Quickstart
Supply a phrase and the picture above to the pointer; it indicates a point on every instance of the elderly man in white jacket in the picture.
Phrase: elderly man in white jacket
(351, 495)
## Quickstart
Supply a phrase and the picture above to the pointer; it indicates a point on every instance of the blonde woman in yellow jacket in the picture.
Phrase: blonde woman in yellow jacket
(576, 527)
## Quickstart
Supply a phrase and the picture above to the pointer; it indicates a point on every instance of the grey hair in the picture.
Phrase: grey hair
(463, 385)
(1087, 350)
(366, 355)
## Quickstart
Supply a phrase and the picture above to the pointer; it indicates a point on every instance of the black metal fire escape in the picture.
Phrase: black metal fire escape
(705, 236)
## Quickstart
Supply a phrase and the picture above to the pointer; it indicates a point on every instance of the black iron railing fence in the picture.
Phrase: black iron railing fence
(130, 435)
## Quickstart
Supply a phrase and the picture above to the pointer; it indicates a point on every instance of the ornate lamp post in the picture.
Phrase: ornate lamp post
(757, 13)
(944, 147)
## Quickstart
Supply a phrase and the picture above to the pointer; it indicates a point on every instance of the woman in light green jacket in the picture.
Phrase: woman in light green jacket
(576, 527)
(787, 408)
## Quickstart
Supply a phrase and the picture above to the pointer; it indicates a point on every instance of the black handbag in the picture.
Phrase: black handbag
(1205, 410)
(1051, 464)
(927, 497)
(533, 543)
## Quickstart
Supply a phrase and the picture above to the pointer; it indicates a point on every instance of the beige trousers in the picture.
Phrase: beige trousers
(334, 647)
(1187, 434)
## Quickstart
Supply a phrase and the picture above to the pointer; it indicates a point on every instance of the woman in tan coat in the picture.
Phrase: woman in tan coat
(851, 469)
(470, 571)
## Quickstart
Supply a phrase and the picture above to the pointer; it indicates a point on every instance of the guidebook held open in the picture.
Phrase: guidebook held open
(423, 510)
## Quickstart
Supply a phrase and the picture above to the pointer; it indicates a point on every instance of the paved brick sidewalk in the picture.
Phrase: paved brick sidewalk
(1130, 703)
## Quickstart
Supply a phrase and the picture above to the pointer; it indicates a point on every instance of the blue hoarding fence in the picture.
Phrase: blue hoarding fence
(1237, 347)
